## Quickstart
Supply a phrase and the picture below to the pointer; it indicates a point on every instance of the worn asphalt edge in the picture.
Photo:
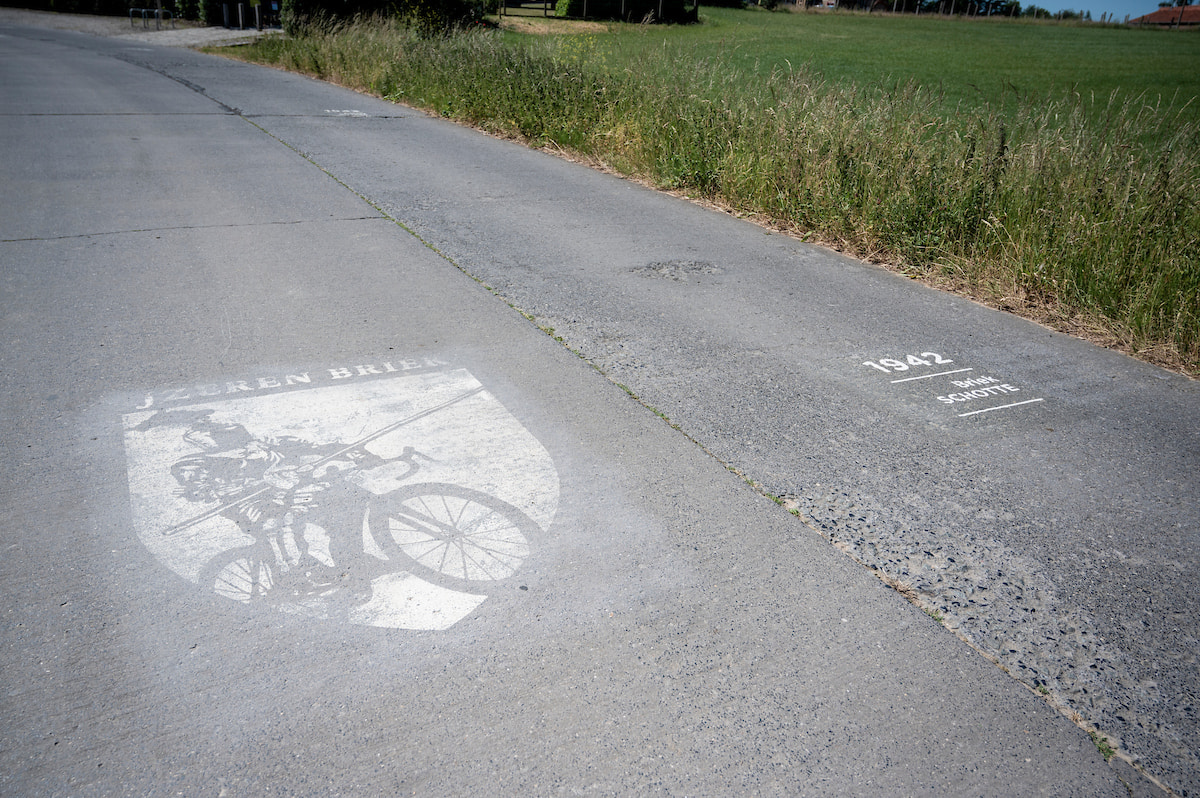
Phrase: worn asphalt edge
(1111, 756)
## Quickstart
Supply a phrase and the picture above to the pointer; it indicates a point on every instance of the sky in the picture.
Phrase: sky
(1118, 8)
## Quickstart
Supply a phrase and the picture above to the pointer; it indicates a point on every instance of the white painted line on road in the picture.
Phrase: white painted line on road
(999, 407)
(927, 376)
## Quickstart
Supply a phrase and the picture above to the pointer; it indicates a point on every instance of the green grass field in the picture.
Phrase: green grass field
(1050, 170)
(968, 62)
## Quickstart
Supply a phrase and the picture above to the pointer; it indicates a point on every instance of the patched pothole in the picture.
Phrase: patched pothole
(678, 270)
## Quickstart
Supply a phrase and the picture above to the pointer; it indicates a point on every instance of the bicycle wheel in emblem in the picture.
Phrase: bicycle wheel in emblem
(242, 574)
(253, 575)
(453, 535)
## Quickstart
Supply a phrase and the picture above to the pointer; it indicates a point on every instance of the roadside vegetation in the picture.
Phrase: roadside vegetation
(1040, 195)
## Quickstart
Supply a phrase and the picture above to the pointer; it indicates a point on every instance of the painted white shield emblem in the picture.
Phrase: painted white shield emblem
(397, 500)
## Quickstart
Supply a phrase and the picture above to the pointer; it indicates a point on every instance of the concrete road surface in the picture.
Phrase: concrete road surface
(294, 501)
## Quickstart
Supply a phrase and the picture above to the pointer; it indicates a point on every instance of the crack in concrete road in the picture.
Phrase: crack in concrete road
(176, 228)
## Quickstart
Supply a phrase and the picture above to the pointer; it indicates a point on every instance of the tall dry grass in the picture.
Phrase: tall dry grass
(1038, 206)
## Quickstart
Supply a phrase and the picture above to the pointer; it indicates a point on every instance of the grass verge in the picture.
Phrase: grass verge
(1085, 218)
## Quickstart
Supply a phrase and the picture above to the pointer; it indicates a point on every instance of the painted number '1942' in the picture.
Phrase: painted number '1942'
(889, 365)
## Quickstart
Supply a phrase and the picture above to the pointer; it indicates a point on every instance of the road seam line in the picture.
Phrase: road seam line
(187, 227)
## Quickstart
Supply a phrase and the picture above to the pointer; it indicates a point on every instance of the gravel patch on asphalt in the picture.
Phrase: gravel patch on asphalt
(1000, 603)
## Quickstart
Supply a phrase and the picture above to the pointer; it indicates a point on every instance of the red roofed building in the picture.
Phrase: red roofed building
(1183, 16)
